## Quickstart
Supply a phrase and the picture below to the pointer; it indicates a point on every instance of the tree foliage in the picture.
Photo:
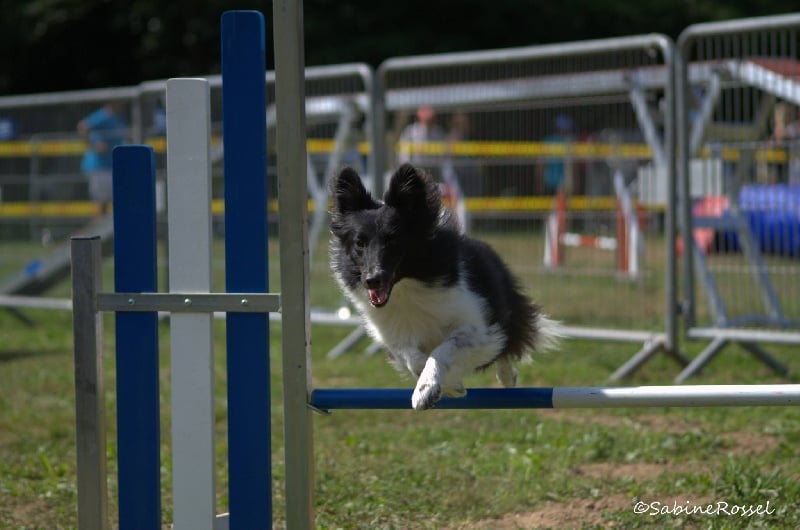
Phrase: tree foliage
(48, 45)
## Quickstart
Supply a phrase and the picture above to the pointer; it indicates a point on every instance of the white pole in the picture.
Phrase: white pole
(189, 220)
(631, 225)
(551, 236)
(676, 396)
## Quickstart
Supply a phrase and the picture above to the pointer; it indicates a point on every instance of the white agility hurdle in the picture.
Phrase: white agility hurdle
(136, 302)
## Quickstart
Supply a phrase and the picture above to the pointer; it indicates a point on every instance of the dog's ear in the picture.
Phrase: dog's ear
(412, 189)
(349, 193)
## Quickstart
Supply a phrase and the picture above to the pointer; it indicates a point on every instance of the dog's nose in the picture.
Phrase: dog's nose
(374, 280)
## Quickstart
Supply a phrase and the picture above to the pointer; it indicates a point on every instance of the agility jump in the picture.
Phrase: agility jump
(627, 244)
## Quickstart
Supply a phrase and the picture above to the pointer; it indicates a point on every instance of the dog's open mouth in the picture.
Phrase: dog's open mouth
(379, 297)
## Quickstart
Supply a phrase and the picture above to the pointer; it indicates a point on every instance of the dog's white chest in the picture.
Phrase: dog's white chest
(422, 316)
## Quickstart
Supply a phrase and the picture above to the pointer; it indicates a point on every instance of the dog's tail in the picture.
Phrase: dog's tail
(547, 333)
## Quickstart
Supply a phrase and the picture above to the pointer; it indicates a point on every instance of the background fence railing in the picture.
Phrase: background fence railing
(739, 91)
(527, 144)
(44, 198)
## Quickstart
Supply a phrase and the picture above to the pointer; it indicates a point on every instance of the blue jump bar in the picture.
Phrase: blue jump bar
(400, 398)
(568, 397)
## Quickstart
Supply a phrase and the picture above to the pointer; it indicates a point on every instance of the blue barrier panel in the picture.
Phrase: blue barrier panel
(138, 415)
(245, 137)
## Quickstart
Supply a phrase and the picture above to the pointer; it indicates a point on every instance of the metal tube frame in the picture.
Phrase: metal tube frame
(685, 146)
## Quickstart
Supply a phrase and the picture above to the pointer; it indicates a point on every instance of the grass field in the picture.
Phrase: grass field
(446, 469)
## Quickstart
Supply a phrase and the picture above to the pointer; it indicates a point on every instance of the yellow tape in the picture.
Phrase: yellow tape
(525, 149)
(49, 209)
(529, 204)
(15, 149)
(52, 148)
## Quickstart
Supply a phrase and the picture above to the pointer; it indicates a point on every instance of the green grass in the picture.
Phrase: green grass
(444, 469)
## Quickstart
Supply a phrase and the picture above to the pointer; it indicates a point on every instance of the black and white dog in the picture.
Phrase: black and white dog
(442, 303)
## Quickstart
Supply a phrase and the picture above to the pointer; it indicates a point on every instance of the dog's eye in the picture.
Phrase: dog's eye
(361, 242)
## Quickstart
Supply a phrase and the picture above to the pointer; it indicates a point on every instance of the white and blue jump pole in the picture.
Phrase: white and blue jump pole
(136, 303)
(566, 397)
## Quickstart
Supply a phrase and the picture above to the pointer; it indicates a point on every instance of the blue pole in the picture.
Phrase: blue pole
(136, 339)
(400, 399)
(245, 137)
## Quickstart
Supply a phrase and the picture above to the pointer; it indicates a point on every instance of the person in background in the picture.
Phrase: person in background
(785, 136)
(415, 139)
(103, 130)
(8, 129)
(556, 169)
(461, 131)
(457, 171)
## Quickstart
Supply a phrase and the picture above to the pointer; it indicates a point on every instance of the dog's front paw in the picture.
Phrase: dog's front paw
(429, 386)
(425, 395)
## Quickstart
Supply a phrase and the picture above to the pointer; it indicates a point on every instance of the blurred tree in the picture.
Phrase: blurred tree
(48, 45)
(70, 44)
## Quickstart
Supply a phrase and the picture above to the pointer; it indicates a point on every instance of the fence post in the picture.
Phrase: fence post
(291, 146)
(90, 408)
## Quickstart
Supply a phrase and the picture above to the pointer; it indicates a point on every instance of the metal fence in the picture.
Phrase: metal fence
(40, 141)
(519, 135)
(40, 160)
(740, 183)
(564, 157)
(44, 197)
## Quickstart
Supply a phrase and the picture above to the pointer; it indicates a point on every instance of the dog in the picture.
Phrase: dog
(443, 304)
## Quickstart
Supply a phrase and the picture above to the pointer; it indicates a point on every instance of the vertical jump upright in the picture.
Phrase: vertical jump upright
(244, 132)
(138, 429)
(136, 303)
(191, 335)
(293, 220)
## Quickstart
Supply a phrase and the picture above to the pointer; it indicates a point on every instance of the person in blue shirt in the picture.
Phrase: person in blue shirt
(555, 168)
(103, 130)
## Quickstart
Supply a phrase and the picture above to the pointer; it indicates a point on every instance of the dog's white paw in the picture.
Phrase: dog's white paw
(429, 387)
(425, 395)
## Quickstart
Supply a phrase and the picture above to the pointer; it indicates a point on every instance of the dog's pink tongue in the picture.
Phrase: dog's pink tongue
(378, 296)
